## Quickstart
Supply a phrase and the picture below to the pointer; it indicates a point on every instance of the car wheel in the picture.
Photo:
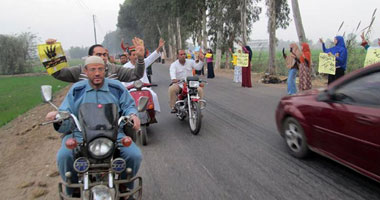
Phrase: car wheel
(295, 138)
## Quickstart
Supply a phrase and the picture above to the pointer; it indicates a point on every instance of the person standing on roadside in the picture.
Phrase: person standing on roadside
(246, 71)
(340, 53)
(237, 69)
(292, 63)
(305, 68)
(210, 64)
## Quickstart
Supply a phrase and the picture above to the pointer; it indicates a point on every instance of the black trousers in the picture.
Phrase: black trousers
(339, 72)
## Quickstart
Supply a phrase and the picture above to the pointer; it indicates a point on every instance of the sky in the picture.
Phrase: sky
(71, 21)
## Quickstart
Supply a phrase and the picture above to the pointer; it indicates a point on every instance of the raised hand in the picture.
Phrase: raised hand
(139, 46)
(50, 41)
(201, 56)
(161, 43)
(321, 40)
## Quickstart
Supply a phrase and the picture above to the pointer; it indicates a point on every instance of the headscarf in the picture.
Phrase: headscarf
(340, 48)
(306, 54)
(290, 60)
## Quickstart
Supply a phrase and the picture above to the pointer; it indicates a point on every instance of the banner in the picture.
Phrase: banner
(372, 57)
(242, 59)
(208, 55)
(52, 57)
(326, 64)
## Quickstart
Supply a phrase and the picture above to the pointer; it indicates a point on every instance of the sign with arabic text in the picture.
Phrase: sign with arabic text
(326, 64)
(242, 59)
(372, 57)
(52, 57)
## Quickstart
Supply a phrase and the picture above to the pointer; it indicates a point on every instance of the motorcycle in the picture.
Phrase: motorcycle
(147, 116)
(97, 158)
(189, 103)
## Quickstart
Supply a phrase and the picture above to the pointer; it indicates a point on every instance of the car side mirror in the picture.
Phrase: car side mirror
(143, 103)
(324, 96)
(47, 95)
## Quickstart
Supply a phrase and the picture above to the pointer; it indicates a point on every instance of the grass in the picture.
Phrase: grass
(37, 66)
(19, 94)
(260, 60)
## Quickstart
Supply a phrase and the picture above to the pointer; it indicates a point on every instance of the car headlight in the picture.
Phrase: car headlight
(100, 147)
(194, 84)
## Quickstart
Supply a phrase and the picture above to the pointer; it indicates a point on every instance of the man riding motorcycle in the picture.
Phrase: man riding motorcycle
(179, 70)
(148, 61)
(99, 90)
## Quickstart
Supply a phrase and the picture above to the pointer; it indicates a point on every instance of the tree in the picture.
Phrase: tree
(278, 13)
(298, 22)
(78, 52)
(16, 53)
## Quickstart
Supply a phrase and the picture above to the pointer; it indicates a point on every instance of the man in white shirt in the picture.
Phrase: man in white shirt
(179, 70)
(148, 61)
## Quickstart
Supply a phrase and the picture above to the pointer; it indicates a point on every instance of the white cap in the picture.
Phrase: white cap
(93, 60)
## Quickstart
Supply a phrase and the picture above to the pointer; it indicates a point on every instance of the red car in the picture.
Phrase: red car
(341, 122)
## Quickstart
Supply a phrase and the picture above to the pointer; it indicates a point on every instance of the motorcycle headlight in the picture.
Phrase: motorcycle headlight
(100, 147)
(138, 84)
(194, 84)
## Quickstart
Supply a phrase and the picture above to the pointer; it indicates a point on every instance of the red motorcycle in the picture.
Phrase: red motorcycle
(189, 103)
(148, 116)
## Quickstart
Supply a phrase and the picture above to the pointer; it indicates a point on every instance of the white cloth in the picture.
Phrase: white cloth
(154, 96)
(237, 74)
(148, 61)
(180, 72)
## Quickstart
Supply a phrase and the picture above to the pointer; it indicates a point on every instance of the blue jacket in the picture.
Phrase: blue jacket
(340, 47)
(81, 92)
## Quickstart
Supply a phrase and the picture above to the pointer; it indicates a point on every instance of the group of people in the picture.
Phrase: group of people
(102, 82)
(300, 60)
(243, 74)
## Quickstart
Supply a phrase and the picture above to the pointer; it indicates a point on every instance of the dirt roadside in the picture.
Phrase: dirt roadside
(27, 155)
(28, 151)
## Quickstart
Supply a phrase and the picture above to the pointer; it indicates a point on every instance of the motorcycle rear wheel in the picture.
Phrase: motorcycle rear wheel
(195, 120)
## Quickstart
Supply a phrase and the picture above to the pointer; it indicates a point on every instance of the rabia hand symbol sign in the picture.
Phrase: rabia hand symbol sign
(50, 52)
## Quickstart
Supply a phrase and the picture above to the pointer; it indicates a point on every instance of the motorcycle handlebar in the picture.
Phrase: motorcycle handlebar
(62, 115)
(127, 119)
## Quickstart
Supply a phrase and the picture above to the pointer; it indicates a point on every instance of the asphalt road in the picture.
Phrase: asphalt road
(238, 153)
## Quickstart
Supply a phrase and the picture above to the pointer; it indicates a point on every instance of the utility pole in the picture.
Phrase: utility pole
(93, 20)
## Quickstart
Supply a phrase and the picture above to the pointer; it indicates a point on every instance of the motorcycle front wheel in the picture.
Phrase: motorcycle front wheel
(195, 120)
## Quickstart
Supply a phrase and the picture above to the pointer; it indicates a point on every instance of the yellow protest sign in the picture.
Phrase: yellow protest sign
(372, 57)
(234, 59)
(208, 55)
(326, 64)
(242, 59)
(52, 57)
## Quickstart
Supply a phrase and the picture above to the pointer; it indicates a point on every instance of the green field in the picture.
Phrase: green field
(19, 94)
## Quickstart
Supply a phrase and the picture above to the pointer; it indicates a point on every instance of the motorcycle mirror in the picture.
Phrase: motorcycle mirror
(46, 91)
(47, 94)
(143, 102)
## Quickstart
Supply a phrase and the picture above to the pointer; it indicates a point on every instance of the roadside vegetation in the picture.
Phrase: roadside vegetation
(19, 94)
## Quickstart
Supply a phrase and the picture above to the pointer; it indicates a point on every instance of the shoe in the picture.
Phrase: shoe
(173, 110)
